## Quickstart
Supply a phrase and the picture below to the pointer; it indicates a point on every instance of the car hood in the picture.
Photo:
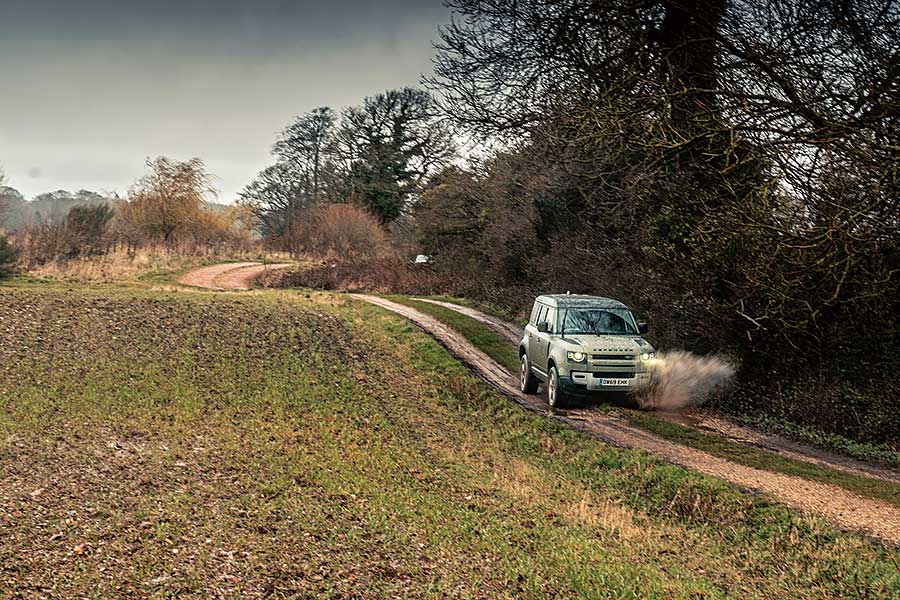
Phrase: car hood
(609, 343)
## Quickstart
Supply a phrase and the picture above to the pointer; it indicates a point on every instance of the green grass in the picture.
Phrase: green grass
(481, 336)
(501, 351)
(450, 299)
(289, 444)
(880, 453)
(760, 459)
(501, 312)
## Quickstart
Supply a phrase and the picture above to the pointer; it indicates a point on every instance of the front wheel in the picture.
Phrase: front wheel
(556, 397)
(528, 383)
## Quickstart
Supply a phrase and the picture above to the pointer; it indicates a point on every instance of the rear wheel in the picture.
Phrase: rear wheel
(556, 397)
(528, 383)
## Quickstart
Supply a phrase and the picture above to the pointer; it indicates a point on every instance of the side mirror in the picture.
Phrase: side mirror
(643, 328)
(543, 327)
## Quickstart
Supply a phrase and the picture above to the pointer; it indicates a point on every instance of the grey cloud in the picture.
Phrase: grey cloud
(92, 88)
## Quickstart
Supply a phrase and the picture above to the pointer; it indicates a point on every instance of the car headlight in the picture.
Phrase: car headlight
(576, 356)
(648, 356)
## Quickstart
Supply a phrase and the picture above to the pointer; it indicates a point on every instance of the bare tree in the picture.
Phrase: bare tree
(166, 200)
(307, 146)
(756, 141)
(302, 175)
(276, 197)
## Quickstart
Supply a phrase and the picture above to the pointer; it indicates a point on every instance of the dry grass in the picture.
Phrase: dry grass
(155, 264)
(529, 485)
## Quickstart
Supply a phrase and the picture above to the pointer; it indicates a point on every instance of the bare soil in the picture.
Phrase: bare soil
(851, 511)
(229, 276)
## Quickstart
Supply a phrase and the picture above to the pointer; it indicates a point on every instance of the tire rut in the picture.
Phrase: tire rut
(512, 333)
(228, 276)
(713, 423)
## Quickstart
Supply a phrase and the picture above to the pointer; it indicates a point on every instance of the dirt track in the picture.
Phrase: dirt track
(710, 421)
(878, 519)
(512, 333)
(228, 276)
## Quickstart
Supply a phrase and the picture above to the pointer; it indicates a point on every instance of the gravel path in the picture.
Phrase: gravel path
(513, 333)
(851, 511)
(711, 422)
(228, 276)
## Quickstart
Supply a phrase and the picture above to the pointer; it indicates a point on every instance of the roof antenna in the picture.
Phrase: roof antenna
(568, 292)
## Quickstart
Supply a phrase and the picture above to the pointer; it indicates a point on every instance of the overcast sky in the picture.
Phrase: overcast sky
(91, 88)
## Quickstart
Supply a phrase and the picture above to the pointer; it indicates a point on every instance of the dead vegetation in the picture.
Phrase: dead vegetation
(336, 231)
(166, 211)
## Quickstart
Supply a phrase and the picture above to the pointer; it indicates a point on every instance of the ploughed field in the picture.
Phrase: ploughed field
(279, 443)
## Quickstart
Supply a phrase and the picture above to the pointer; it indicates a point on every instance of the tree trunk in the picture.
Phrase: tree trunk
(687, 39)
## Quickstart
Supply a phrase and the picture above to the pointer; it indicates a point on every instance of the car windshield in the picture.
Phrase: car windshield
(599, 321)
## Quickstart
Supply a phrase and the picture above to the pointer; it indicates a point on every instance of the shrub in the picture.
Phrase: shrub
(83, 232)
(7, 257)
(40, 242)
(337, 231)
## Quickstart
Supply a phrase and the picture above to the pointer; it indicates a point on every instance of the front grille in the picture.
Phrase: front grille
(614, 374)
(612, 356)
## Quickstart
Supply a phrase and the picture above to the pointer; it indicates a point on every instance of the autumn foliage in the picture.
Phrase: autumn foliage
(167, 209)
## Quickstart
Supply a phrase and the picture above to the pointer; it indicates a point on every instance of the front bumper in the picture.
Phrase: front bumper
(597, 382)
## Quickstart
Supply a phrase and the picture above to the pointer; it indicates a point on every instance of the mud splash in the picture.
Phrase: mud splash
(680, 379)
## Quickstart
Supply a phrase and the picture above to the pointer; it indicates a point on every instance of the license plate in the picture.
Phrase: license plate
(615, 382)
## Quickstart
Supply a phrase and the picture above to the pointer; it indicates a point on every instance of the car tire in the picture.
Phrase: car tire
(556, 397)
(528, 383)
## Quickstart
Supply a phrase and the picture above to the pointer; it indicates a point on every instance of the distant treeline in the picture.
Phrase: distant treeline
(168, 208)
(18, 212)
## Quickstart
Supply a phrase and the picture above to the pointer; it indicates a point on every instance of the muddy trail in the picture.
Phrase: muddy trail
(228, 276)
(848, 510)
(709, 421)
(851, 511)
(511, 332)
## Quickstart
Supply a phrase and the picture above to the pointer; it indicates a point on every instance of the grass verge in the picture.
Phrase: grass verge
(760, 459)
(286, 444)
(879, 453)
(482, 337)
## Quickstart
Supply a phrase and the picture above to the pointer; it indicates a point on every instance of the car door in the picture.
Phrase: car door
(544, 339)
(534, 335)
(540, 341)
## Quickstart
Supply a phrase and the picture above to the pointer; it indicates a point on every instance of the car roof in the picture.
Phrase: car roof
(578, 301)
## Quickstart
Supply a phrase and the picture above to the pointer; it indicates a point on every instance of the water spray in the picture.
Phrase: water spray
(680, 379)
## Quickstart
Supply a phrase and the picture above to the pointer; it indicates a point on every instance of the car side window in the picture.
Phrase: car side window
(542, 315)
(534, 313)
(551, 318)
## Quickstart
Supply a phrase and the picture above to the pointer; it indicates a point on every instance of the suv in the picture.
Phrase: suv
(582, 343)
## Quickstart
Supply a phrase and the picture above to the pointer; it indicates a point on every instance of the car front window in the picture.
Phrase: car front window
(599, 321)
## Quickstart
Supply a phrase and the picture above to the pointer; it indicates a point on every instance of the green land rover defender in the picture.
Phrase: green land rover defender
(583, 343)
